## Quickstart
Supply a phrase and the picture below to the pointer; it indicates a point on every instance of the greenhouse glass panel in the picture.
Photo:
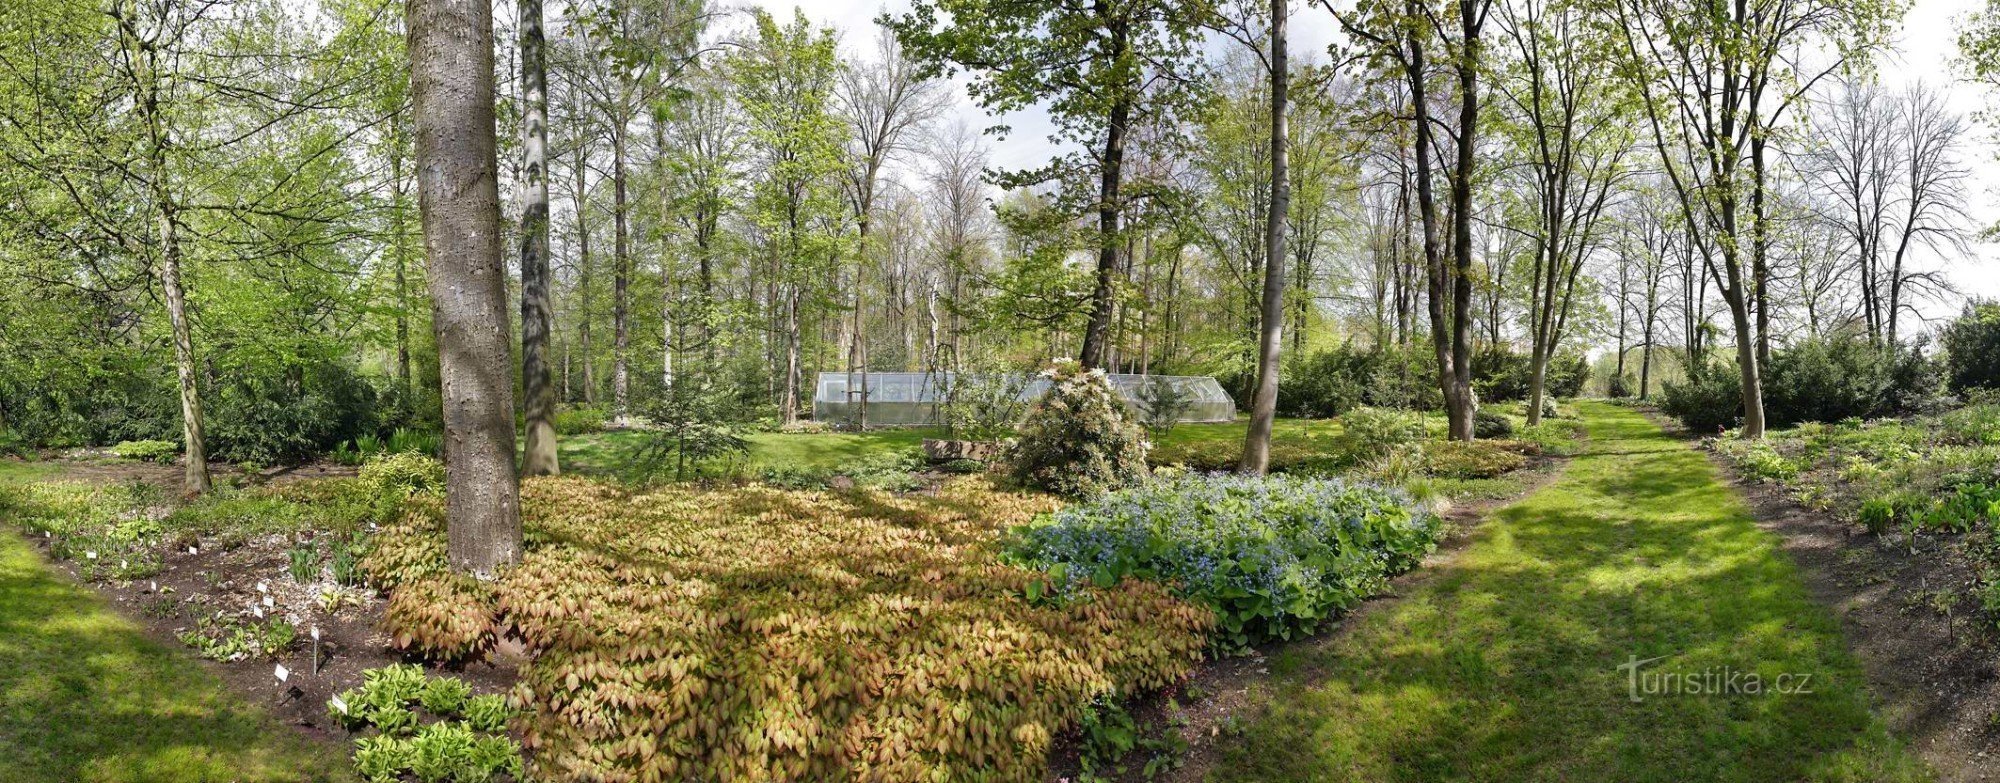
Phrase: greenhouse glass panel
(912, 399)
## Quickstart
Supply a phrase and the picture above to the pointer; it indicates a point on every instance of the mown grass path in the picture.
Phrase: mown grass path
(86, 696)
(1505, 664)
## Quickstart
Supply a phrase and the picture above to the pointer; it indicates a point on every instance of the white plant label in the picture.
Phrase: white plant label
(339, 704)
(268, 602)
(156, 586)
(283, 673)
(315, 633)
(90, 555)
(194, 550)
(263, 587)
(257, 610)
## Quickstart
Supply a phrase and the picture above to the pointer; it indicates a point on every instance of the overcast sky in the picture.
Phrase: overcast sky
(1924, 51)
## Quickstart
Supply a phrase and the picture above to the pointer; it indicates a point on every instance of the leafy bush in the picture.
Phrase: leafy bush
(1500, 375)
(1710, 400)
(148, 450)
(1333, 381)
(1553, 436)
(1273, 557)
(1976, 424)
(1491, 424)
(746, 616)
(404, 475)
(289, 415)
(581, 420)
(1760, 461)
(1828, 379)
(1475, 460)
(1078, 438)
(1371, 433)
(1972, 347)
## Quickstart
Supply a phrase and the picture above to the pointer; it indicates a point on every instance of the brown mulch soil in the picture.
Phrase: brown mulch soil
(1910, 615)
(221, 578)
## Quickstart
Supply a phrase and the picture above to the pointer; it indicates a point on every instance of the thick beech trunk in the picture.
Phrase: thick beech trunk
(451, 79)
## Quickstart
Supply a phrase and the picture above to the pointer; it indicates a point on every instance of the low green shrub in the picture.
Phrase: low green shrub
(581, 420)
(1488, 424)
(1479, 459)
(148, 450)
(1710, 400)
(445, 748)
(1976, 424)
(404, 474)
(1553, 436)
(1273, 557)
(1371, 433)
(1761, 461)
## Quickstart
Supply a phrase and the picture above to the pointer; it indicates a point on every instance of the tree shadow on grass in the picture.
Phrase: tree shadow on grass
(86, 696)
(1507, 665)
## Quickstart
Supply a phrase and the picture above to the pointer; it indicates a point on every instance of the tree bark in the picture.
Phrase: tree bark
(451, 78)
(537, 379)
(621, 282)
(1271, 338)
(1110, 180)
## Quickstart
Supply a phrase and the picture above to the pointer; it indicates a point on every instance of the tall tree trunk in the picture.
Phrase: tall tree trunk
(195, 455)
(1110, 180)
(621, 282)
(1271, 337)
(583, 275)
(451, 79)
(537, 379)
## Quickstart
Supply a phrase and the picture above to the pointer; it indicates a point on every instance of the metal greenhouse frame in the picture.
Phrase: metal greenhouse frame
(913, 399)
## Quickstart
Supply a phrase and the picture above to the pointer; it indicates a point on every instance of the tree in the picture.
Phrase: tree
(1271, 337)
(451, 77)
(1402, 38)
(1101, 69)
(883, 103)
(1573, 132)
(537, 375)
(785, 80)
(1714, 87)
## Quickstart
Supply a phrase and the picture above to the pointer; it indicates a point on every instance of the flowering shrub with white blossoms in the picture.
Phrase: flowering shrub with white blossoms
(1079, 438)
(1273, 557)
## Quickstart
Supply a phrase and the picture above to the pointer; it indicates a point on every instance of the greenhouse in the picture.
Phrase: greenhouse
(908, 399)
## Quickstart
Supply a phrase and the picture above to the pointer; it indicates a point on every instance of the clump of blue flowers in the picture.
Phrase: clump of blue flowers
(1274, 557)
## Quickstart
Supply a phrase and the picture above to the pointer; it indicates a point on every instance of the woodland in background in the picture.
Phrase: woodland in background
(210, 232)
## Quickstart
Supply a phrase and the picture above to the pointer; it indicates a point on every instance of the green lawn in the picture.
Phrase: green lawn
(1505, 664)
(86, 696)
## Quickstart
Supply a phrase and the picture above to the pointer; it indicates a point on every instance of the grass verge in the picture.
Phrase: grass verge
(1505, 665)
(86, 696)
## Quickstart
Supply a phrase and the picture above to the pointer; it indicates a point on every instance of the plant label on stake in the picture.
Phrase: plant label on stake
(284, 675)
(315, 636)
